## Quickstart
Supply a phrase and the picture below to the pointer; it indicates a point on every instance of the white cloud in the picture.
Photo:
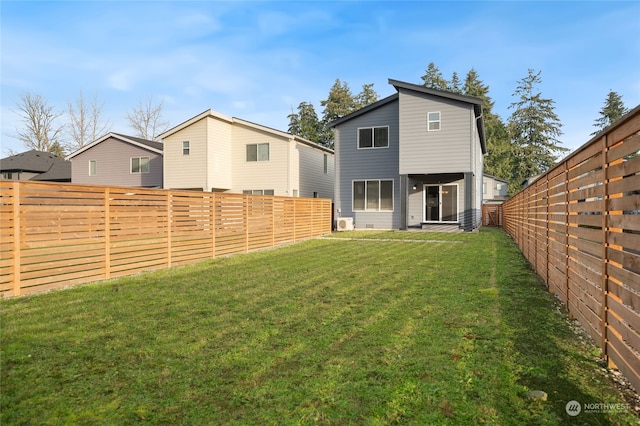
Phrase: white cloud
(123, 80)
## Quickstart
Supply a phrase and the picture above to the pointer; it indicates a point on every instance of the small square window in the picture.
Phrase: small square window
(258, 152)
(186, 148)
(433, 121)
(140, 165)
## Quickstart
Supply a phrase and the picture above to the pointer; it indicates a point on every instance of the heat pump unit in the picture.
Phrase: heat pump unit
(345, 224)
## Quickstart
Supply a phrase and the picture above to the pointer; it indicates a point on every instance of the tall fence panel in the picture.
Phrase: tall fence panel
(579, 227)
(57, 235)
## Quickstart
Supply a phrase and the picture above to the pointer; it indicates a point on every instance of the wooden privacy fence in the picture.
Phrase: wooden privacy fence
(579, 226)
(56, 235)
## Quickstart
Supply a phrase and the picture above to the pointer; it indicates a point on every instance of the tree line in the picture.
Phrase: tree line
(44, 128)
(524, 146)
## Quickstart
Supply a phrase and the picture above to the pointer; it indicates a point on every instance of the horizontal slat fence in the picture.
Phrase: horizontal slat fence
(579, 227)
(55, 235)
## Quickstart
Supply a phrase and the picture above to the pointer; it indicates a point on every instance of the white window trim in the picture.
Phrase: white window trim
(96, 168)
(378, 210)
(439, 121)
(257, 160)
(139, 158)
(373, 135)
(424, 202)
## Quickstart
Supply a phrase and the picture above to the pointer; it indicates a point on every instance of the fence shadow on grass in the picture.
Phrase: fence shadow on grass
(545, 347)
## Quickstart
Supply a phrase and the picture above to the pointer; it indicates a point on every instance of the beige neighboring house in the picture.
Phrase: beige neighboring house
(494, 189)
(215, 152)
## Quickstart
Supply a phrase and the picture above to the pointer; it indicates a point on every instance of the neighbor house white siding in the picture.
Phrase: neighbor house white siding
(310, 172)
(187, 171)
(219, 154)
(252, 175)
(218, 159)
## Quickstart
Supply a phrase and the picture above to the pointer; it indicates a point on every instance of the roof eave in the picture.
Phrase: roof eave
(364, 110)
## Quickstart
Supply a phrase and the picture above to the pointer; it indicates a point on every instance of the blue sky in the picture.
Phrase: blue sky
(259, 60)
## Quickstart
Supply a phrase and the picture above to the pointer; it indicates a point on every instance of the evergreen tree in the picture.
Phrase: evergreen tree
(305, 123)
(339, 103)
(366, 97)
(612, 110)
(433, 78)
(499, 159)
(533, 129)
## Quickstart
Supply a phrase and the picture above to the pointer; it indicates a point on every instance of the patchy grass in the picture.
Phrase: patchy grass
(328, 331)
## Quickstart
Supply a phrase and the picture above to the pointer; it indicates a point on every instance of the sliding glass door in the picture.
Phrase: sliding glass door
(441, 203)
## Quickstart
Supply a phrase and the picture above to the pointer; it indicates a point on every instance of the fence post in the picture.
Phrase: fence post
(566, 245)
(547, 220)
(107, 233)
(245, 211)
(169, 229)
(212, 206)
(17, 231)
(605, 246)
(273, 221)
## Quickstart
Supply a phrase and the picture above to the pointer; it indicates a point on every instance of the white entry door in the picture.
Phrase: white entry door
(441, 203)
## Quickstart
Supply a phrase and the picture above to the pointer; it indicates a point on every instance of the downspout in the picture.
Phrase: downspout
(289, 190)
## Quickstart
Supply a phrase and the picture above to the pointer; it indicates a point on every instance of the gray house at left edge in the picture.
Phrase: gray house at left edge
(411, 160)
(119, 160)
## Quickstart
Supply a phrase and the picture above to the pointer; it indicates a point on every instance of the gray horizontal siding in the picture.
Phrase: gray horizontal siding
(361, 164)
(445, 151)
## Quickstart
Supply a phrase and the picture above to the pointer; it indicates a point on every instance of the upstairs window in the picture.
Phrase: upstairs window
(373, 137)
(186, 148)
(258, 152)
(433, 121)
(140, 165)
(92, 167)
(326, 164)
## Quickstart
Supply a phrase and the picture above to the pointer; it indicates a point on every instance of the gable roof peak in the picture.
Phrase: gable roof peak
(435, 92)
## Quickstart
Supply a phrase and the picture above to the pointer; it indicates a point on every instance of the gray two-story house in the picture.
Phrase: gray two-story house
(411, 160)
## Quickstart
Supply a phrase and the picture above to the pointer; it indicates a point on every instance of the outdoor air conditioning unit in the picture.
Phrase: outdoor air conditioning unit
(345, 224)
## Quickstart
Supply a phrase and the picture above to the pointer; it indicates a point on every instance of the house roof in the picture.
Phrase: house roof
(231, 120)
(142, 143)
(49, 166)
(495, 178)
(476, 102)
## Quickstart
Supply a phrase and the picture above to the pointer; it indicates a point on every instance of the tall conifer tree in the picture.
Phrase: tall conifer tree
(534, 129)
(612, 110)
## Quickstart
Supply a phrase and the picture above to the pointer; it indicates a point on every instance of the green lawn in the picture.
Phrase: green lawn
(356, 329)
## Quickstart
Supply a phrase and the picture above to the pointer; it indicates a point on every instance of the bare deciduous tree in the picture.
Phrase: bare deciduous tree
(85, 122)
(146, 119)
(39, 128)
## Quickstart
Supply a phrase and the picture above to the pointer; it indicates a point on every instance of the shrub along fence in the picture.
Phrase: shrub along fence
(56, 235)
(579, 226)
